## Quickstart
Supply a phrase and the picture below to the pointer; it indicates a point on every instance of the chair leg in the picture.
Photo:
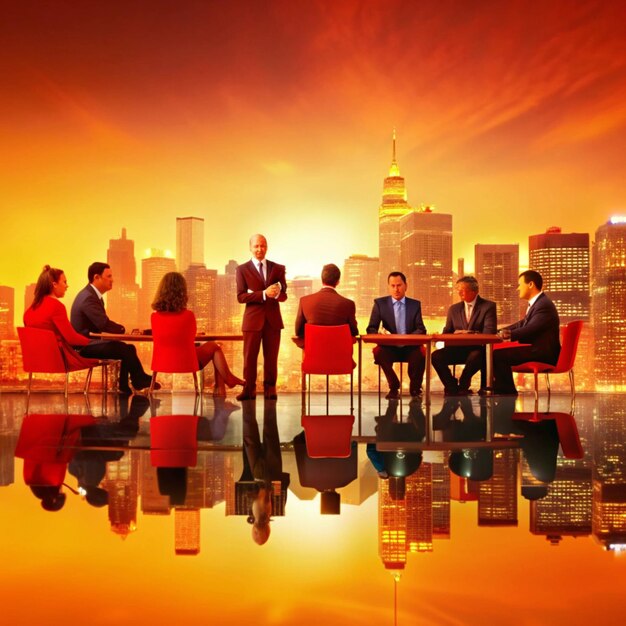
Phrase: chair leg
(536, 375)
(154, 377)
(548, 383)
(379, 401)
(88, 381)
(351, 393)
(195, 383)
(309, 394)
(571, 383)
(327, 398)
(67, 382)
(30, 380)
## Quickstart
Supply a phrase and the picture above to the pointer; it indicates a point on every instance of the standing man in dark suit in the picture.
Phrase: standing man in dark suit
(472, 315)
(403, 316)
(539, 328)
(89, 316)
(261, 287)
(326, 307)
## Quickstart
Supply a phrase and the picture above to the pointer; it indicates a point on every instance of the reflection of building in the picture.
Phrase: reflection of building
(359, 282)
(419, 510)
(123, 299)
(392, 540)
(441, 500)
(609, 305)
(153, 268)
(7, 312)
(121, 484)
(497, 497)
(189, 242)
(187, 530)
(497, 271)
(152, 501)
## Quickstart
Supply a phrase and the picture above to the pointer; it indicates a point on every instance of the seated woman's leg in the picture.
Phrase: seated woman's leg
(211, 351)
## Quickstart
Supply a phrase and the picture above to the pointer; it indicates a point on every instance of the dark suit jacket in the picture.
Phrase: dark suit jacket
(382, 311)
(88, 314)
(326, 308)
(250, 289)
(540, 328)
(483, 318)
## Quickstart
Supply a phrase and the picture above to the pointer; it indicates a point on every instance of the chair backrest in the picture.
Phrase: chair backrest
(327, 349)
(173, 336)
(40, 351)
(328, 436)
(569, 346)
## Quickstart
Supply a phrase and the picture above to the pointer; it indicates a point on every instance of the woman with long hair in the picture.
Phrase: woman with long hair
(170, 303)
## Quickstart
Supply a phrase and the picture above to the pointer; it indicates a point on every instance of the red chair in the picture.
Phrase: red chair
(44, 353)
(328, 436)
(328, 350)
(174, 349)
(565, 364)
(173, 441)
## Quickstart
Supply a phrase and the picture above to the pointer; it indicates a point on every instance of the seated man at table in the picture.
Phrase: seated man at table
(539, 328)
(398, 315)
(89, 316)
(326, 307)
(472, 314)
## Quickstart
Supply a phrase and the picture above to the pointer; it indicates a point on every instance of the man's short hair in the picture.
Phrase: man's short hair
(331, 275)
(532, 276)
(470, 281)
(394, 274)
(96, 268)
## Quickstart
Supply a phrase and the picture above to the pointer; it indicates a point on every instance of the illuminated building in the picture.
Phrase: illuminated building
(29, 295)
(152, 501)
(562, 259)
(120, 482)
(10, 360)
(392, 541)
(497, 497)
(497, 271)
(123, 299)
(189, 242)
(609, 305)
(419, 510)
(441, 500)
(394, 206)
(187, 530)
(201, 284)
(153, 268)
(426, 259)
(7, 312)
(359, 282)
(228, 311)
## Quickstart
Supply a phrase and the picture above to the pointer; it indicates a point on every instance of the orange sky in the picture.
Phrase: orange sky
(277, 117)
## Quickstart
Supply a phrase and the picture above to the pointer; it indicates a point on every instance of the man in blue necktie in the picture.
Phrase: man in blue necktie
(401, 316)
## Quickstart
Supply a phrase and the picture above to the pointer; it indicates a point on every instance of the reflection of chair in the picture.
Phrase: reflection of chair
(42, 353)
(328, 350)
(565, 364)
(173, 349)
(328, 436)
(173, 441)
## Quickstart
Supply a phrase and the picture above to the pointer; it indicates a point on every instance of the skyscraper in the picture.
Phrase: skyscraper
(201, 284)
(497, 269)
(123, 299)
(189, 242)
(609, 305)
(153, 268)
(7, 312)
(562, 259)
(359, 282)
(393, 207)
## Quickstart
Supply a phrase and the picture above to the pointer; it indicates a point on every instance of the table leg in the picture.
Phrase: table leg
(427, 347)
(359, 382)
(489, 366)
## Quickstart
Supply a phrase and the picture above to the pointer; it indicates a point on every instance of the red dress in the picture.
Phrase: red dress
(173, 337)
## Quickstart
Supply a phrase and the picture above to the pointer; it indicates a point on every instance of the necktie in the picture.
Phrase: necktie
(468, 313)
(400, 317)
(261, 271)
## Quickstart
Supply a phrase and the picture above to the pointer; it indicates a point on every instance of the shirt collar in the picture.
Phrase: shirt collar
(329, 287)
(256, 262)
(472, 303)
(96, 290)
(534, 299)
(394, 301)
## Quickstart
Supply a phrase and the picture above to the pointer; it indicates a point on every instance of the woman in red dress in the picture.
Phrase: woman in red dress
(174, 323)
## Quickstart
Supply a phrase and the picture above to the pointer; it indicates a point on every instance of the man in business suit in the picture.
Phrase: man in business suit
(89, 316)
(326, 307)
(539, 328)
(399, 315)
(261, 287)
(472, 314)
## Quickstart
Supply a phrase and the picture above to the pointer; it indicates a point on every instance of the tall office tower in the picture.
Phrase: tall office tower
(201, 284)
(497, 271)
(7, 312)
(296, 288)
(497, 497)
(562, 259)
(441, 500)
(10, 360)
(392, 542)
(120, 482)
(460, 267)
(153, 268)
(228, 311)
(123, 299)
(29, 295)
(608, 518)
(609, 305)
(359, 282)
(189, 242)
(153, 502)
(419, 510)
(187, 531)
(393, 207)
(426, 259)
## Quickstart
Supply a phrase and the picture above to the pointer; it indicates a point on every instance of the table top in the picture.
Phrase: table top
(397, 340)
(138, 337)
(459, 339)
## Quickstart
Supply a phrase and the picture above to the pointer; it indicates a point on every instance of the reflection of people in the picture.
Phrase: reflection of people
(326, 307)
(472, 314)
(47, 313)
(261, 286)
(263, 469)
(403, 316)
(539, 328)
(174, 323)
(89, 316)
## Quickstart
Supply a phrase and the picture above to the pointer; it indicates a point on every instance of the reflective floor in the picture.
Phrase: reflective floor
(467, 511)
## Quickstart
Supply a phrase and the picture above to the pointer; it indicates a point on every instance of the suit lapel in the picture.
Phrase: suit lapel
(390, 315)
(254, 271)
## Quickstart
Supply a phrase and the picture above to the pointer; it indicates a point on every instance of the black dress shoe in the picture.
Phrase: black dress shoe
(270, 393)
(451, 391)
(246, 395)
(464, 392)
(416, 392)
(393, 394)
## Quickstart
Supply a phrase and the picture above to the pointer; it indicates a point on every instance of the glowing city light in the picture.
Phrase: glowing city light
(618, 219)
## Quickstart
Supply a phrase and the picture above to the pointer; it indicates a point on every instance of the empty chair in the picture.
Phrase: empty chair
(328, 351)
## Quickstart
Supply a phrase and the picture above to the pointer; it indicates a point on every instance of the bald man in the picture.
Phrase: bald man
(261, 287)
